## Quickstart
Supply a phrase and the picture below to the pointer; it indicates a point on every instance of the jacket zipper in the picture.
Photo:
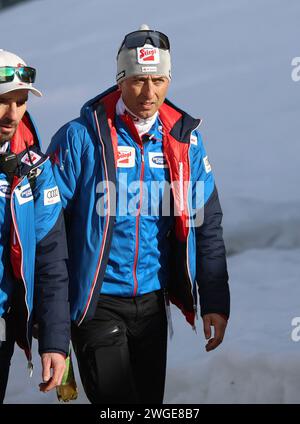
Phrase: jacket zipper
(17, 236)
(137, 226)
(181, 187)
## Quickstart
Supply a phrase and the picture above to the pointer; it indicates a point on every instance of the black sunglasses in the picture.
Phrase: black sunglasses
(139, 39)
(25, 74)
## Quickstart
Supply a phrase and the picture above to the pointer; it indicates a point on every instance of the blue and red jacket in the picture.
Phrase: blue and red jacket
(33, 248)
(86, 156)
(144, 213)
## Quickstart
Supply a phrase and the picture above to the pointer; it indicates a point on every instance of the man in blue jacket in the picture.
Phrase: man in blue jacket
(135, 183)
(33, 249)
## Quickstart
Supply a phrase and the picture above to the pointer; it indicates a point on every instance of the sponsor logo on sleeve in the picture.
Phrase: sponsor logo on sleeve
(206, 164)
(51, 196)
(5, 189)
(54, 157)
(148, 55)
(157, 160)
(194, 139)
(126, 157)
(33, 156)
(24, 194)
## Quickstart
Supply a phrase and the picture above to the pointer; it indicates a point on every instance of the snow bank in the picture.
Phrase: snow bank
(252, 223)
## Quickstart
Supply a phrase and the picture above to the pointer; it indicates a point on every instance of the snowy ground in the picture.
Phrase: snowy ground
(232, 67)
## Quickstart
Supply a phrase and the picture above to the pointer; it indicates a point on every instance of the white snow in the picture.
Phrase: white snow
(232, 67)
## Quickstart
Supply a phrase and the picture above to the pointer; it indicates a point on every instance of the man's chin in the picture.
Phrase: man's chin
(145, 114)
(6, 137)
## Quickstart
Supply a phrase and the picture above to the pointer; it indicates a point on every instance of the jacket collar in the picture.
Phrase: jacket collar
(179, 123)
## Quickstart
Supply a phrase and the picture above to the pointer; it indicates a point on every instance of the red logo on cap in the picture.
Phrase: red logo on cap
(147, 54)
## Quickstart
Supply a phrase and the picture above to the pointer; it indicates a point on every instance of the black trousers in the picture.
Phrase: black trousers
(6, 352)
(121, 352)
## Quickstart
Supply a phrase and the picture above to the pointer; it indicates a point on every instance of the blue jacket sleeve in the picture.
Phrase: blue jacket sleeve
(51, 304)
(211, 266)
(65, 151)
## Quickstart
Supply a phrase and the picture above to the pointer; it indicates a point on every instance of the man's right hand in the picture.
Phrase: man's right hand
(56, 362)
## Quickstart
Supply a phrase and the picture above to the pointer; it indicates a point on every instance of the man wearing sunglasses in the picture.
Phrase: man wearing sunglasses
(33, 251)
(127, 256)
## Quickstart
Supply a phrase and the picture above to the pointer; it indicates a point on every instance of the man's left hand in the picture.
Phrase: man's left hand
(219, 323)
(56, 362)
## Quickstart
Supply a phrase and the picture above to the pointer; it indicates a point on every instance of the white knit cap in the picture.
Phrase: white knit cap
(145, 60)
(11, 59)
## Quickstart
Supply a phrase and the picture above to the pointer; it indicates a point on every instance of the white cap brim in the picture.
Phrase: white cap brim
(14, 85)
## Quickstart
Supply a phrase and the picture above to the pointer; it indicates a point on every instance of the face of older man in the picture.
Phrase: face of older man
(144, 94)
(12, 109)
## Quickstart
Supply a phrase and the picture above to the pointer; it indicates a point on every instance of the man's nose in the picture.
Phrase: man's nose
(148, 89)
(11, 112)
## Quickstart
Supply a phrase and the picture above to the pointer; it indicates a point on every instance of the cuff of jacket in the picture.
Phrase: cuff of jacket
(65, 354)
(215, 302)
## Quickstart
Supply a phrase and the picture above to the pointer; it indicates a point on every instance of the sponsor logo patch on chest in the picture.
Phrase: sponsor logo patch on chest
(148, 55)
(157, 160)
(24, 194)
(126, 157)
(51, 196)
